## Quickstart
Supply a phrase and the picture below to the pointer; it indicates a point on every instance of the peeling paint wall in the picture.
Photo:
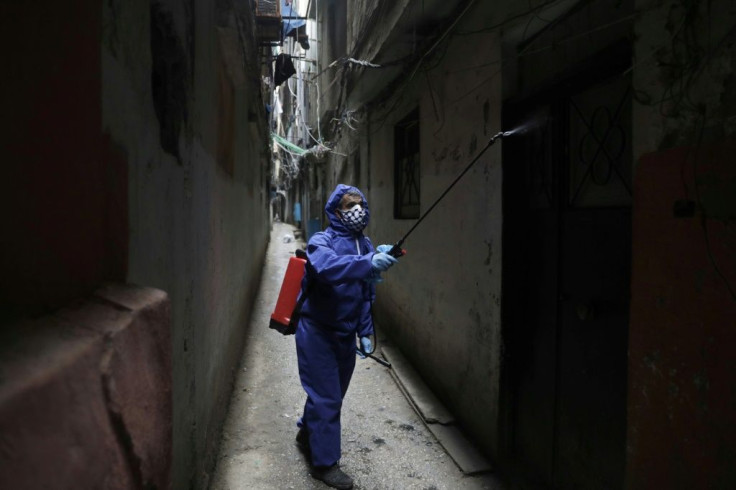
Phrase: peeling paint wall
(181, 95)
(681, 417)
(684, 73)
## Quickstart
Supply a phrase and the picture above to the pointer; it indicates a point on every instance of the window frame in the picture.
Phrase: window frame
(407, 153)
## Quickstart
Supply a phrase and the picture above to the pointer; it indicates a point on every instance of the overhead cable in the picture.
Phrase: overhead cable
(362, 62)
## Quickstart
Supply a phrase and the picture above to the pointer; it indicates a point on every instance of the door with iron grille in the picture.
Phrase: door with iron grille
(567, 240)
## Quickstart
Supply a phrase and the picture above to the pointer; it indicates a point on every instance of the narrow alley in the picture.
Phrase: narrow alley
(534, 202)
(385, 443)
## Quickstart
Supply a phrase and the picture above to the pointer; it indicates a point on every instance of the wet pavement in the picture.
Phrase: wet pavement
(385, 445)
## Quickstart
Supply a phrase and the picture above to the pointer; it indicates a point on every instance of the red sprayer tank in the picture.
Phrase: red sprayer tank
(281, 316)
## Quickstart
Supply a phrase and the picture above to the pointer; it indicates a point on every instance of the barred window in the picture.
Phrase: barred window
(406, 167)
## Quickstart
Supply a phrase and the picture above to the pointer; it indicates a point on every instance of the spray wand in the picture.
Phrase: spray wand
(396, 250)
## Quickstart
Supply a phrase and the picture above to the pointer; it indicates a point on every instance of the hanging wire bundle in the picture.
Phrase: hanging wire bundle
(348, 119)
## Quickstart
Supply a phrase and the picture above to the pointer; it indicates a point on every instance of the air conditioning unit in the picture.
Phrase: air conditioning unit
(268, 21)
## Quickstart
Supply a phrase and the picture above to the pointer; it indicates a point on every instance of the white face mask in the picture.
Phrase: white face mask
(354, 218)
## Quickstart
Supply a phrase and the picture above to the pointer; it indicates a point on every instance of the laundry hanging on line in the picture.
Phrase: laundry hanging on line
(284, 69)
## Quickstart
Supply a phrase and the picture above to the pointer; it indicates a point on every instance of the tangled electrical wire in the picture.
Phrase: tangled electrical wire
(683, 64)
(348, 118)
(683, 60)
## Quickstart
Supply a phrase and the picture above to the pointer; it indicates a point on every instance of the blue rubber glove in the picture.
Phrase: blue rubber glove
(382, 261)
(384, 249)
(366, 347)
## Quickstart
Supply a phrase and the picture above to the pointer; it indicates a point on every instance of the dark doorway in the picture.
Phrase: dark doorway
(567, 262)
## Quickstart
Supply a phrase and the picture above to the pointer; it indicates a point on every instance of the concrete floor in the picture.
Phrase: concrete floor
(385, 443)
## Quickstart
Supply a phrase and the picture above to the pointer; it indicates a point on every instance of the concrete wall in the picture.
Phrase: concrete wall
(64, 184)
(134, 150)
(85, 398)
(441, 304)
(683, 74)
(681, 431)
(680, 416)
(182, 100)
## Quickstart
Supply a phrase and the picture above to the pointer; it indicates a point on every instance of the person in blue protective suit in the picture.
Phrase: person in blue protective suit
(341, 274)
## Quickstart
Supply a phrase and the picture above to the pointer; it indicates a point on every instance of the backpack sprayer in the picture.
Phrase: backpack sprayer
(285, 316)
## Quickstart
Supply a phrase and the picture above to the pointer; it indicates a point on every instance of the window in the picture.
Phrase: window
(406, 167)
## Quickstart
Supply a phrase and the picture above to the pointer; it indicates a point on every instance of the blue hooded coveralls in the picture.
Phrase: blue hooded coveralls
(337, 308)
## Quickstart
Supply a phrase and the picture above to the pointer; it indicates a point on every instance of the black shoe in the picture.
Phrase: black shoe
(333, 477)
(302, 441)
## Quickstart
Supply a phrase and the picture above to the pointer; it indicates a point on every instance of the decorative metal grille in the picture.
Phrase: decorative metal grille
(407, 164)
(600, 151)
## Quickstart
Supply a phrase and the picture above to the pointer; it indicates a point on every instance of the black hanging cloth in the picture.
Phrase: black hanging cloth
(284, 69)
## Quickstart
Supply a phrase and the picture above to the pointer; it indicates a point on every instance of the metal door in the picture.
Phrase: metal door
(567, 186)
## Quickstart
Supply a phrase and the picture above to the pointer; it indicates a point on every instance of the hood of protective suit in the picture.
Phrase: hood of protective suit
(333, 203)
